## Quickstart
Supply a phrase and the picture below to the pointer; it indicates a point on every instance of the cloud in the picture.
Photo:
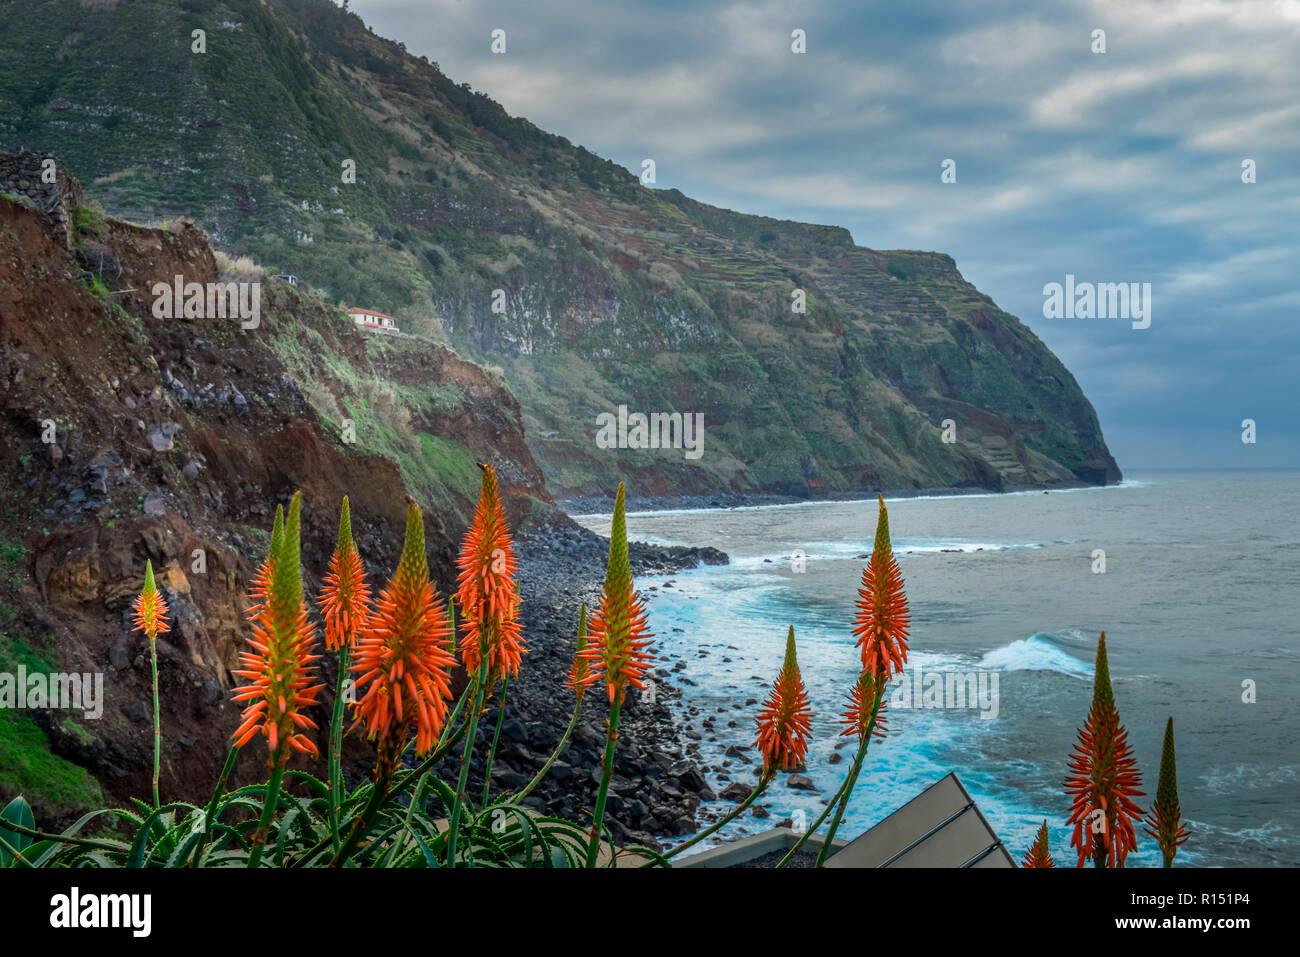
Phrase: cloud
(1122, 166)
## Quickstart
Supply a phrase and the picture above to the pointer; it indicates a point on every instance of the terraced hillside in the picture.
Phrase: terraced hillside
(612, 294)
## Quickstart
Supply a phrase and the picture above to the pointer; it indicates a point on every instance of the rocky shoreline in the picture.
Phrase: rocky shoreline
(657, 785)
(600, 505)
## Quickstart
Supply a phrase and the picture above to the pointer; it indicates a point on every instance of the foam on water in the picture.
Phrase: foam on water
(727, 611)
(904, 546)
(1035, 653)
(732, 652)
(1250, 777)
(586, 518)
(856, 551)
(1020, 601)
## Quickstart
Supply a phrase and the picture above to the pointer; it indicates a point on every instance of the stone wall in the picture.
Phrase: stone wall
(23, 175)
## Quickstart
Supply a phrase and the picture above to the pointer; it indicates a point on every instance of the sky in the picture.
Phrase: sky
(1123, 166)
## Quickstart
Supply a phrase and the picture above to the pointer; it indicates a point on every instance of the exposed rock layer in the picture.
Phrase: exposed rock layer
(588, 290)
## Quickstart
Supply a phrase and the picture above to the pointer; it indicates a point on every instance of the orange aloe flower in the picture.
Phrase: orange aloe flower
(151, 618)
(488, 597)
(345, 600)
(883, 618)
(401, 655)
(261, 580)
(280, 667)
(1105, 779)
(861, 700)
(151, 607)
(1038, 854)
(577, 679)
(618, 635)
(785, 720)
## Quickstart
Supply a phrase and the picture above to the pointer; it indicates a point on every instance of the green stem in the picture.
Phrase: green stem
(157, 722)
(555, 756)
(416, 799)
(455, 713)
(17, 854)
(453, 826)
(228, 767)
(496, 736)
(362, 824)
(607, 768)
(406, 780)
(726, 819)
(847, 790)
(61, 838)
(835, 798)
(469, 686)
(840, 805)
(268, 810)
(336, 749)
(809, 832)
(427, 764)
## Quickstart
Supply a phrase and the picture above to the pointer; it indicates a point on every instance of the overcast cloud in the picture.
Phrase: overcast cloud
(1117, 167)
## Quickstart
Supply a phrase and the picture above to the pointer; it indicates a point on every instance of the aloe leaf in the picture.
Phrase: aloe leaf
(19, 812)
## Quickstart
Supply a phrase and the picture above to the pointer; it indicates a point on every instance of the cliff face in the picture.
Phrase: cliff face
(126, 437)
(531, 254)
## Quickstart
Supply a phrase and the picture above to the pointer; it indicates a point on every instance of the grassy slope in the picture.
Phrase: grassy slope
(27, 765)
(614, 293)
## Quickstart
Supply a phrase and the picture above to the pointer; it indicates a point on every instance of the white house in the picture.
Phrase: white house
(369, 319)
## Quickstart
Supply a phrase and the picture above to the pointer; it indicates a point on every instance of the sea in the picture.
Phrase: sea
(1193, 576)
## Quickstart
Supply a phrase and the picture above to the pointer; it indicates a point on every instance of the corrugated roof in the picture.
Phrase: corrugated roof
(940, 827)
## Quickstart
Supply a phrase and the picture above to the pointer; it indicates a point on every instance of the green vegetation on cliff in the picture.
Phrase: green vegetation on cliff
(27, 765)
(614, 294)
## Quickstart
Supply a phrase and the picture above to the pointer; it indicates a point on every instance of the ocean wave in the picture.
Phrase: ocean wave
(841, 551)
(653, 540)
(867, 500)
(1221, 780)
(1038, 652)
(936, 661)
(905, 546)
